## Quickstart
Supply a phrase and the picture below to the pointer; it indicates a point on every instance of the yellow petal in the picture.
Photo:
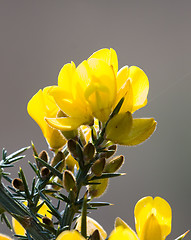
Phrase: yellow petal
(140, 131)
(97, 190)
(107, 55)
(40, 106)
(151, 229)
(160, 209)
(140, 86)
(125, 91)
(4, 237)
(119, 127)
(69, 235)
(66, 75)
(121, 233)
(101, 91)
(65, 124)
(122, 77)
(92, 225)
(71, 163)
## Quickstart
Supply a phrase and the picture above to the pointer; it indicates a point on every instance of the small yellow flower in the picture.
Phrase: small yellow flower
(69, 235)
(152, 220)
(93, 90)
(43, 105)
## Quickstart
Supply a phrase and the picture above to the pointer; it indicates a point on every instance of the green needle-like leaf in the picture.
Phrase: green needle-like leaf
(107, 175)
(15, 154)
(25, 184)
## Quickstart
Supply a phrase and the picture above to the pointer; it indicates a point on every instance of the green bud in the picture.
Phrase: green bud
(69, 181)
(96, 190)
(98, 166)
(76, 151)
(81, 136)
(44, 156)
(89, 151)
(18, 184)
(95, 235)
(59, 157)
(114, 164)
(45, 172)
(109, 152)
(47, 221)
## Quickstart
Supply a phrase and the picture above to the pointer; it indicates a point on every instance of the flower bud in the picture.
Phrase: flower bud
(18, 184)
(76, 151)
(45, 172)
(47, 221)
(89, 151)
(98, 166)
(95, 235)
(69, 181)
(114, 164)
(109, 152)
(44, 156)
(59, 157)
(96, 190)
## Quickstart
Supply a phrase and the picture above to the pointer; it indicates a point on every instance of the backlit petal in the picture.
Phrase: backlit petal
(92, 225)
(66, 75)
(140, 131)
(160, 209)
(107, 55)
(119, 127)
(43, 105)
(69, 235)
(140, 86)
(121, 233)
(101, 91)
(65, 124)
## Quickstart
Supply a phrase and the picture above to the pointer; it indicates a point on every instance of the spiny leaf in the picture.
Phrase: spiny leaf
(25, 184)
(15, 154)
(107, 175)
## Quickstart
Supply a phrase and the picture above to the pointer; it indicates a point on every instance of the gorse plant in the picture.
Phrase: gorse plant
(83, 119)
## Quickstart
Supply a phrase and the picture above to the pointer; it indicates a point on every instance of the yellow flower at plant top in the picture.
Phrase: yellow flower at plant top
(93, 90)
(153, 219)
(69, 235)
(43, 105)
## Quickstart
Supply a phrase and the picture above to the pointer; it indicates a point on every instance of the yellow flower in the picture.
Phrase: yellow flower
(43, 105)
(68, 235)
(42, 211)
(152, 220)
(94, 89)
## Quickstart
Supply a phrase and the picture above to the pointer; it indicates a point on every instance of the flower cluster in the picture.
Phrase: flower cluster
(90, 91)
(83, 118)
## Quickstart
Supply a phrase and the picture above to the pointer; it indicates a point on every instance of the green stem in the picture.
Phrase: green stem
(71, 209)
(20, 213)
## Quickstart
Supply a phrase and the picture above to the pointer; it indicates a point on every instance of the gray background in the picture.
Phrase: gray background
(38, 37)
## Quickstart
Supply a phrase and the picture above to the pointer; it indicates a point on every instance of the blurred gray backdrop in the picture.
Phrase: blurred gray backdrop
(38, 37)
